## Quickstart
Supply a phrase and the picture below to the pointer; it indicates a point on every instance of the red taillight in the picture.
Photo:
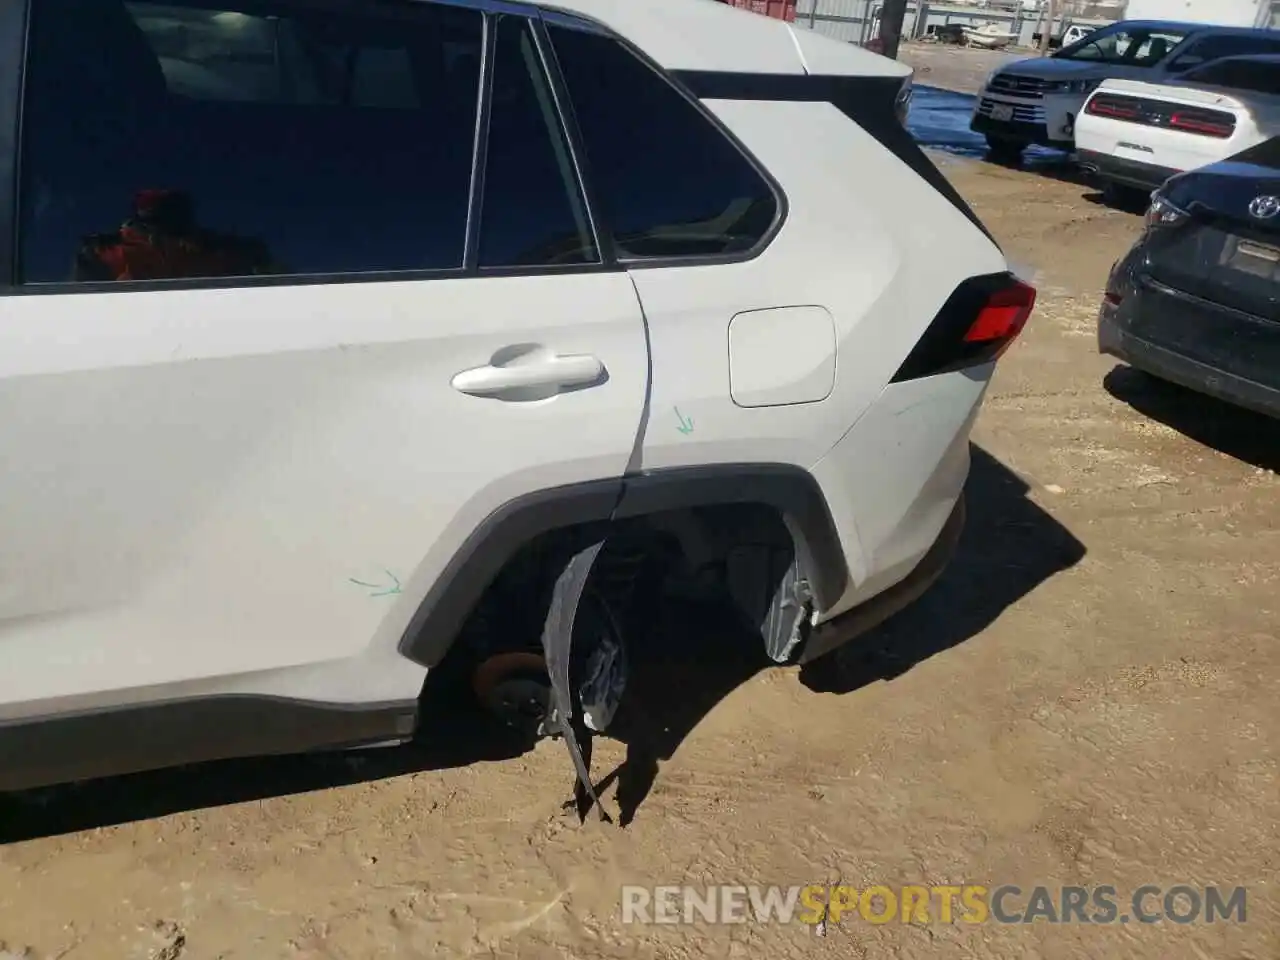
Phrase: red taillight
(1206, 123)
(981, 318)
(1157, 113)
(1106, 107)
(1004, 316)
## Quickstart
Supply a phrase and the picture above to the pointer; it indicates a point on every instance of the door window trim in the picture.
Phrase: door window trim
(568, 130)
(582, 163)
(13, 48)
(479, 148)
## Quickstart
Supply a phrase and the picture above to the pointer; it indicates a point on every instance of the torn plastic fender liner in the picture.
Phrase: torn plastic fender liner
(557, 648)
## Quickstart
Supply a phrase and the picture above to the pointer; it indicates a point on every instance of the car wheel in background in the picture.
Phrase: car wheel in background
(1005, 149)
(1125, 196)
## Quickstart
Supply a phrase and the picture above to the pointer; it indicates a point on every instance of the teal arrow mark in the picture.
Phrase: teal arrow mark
(686, 423)
(380, 589)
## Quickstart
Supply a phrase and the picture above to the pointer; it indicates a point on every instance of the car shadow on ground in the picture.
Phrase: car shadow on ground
(1045, 163)
(1131, 200)
(1008, 548)
(1064, 168)
(1243, 434)
(691, 659)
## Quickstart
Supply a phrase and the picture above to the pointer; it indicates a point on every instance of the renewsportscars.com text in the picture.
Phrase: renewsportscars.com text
(946, 904)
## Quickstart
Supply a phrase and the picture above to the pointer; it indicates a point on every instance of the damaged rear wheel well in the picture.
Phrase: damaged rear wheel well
(548, 647)
(766, 527)
(745, 553)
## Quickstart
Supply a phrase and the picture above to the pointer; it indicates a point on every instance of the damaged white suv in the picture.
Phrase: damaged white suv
(321, 321)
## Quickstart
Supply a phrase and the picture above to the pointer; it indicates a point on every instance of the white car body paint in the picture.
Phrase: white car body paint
(250, 491)
(781, 355)
(220, 464)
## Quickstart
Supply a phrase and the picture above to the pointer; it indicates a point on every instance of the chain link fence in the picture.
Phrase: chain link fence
(857, 21)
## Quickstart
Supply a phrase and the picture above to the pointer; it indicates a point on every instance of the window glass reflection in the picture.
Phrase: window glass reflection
(165, 141)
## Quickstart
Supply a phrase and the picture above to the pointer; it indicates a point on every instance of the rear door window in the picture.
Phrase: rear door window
(670, 182)
(180, 141)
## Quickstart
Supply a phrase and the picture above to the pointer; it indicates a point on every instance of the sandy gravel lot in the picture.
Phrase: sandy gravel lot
(1088, 697)
(962, 69)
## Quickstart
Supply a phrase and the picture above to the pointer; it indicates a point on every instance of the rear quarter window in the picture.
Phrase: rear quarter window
(670, 182)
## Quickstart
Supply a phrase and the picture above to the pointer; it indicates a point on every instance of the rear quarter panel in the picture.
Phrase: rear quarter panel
(867, 239)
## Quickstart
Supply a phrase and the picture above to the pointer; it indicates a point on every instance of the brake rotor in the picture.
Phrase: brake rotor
(514, 686)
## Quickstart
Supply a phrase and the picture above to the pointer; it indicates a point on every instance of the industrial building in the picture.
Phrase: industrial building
(857, 21)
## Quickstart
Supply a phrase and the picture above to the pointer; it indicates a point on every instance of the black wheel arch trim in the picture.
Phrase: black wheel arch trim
(789, 489)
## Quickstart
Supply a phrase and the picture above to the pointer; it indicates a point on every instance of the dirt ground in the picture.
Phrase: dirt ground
(1087, 697)
(962, 69)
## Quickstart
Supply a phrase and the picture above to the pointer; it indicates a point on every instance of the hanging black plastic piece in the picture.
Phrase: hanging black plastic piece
(557, 648)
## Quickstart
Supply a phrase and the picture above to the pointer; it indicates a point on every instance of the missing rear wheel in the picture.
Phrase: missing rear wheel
(514, 687)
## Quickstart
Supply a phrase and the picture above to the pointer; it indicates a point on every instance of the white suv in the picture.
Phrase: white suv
(319, 319)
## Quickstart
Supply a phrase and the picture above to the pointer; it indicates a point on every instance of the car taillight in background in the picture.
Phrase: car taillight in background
(1118, 108)
(1157, 113)
(978, 323)
(1162, 214)
(1208, 123)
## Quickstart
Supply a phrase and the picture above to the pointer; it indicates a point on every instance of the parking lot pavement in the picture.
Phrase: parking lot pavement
(1088, 697)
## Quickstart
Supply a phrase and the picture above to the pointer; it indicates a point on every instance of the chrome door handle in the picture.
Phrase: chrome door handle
(548, 371)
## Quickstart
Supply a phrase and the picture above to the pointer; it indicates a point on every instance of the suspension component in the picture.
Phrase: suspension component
(503, 634)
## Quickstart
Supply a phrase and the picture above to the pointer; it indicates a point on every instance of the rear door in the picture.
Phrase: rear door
(273, 347)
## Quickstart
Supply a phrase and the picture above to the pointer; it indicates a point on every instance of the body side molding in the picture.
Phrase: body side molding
(132, 739)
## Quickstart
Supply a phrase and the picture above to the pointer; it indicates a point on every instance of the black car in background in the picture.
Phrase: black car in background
(1197, 299)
